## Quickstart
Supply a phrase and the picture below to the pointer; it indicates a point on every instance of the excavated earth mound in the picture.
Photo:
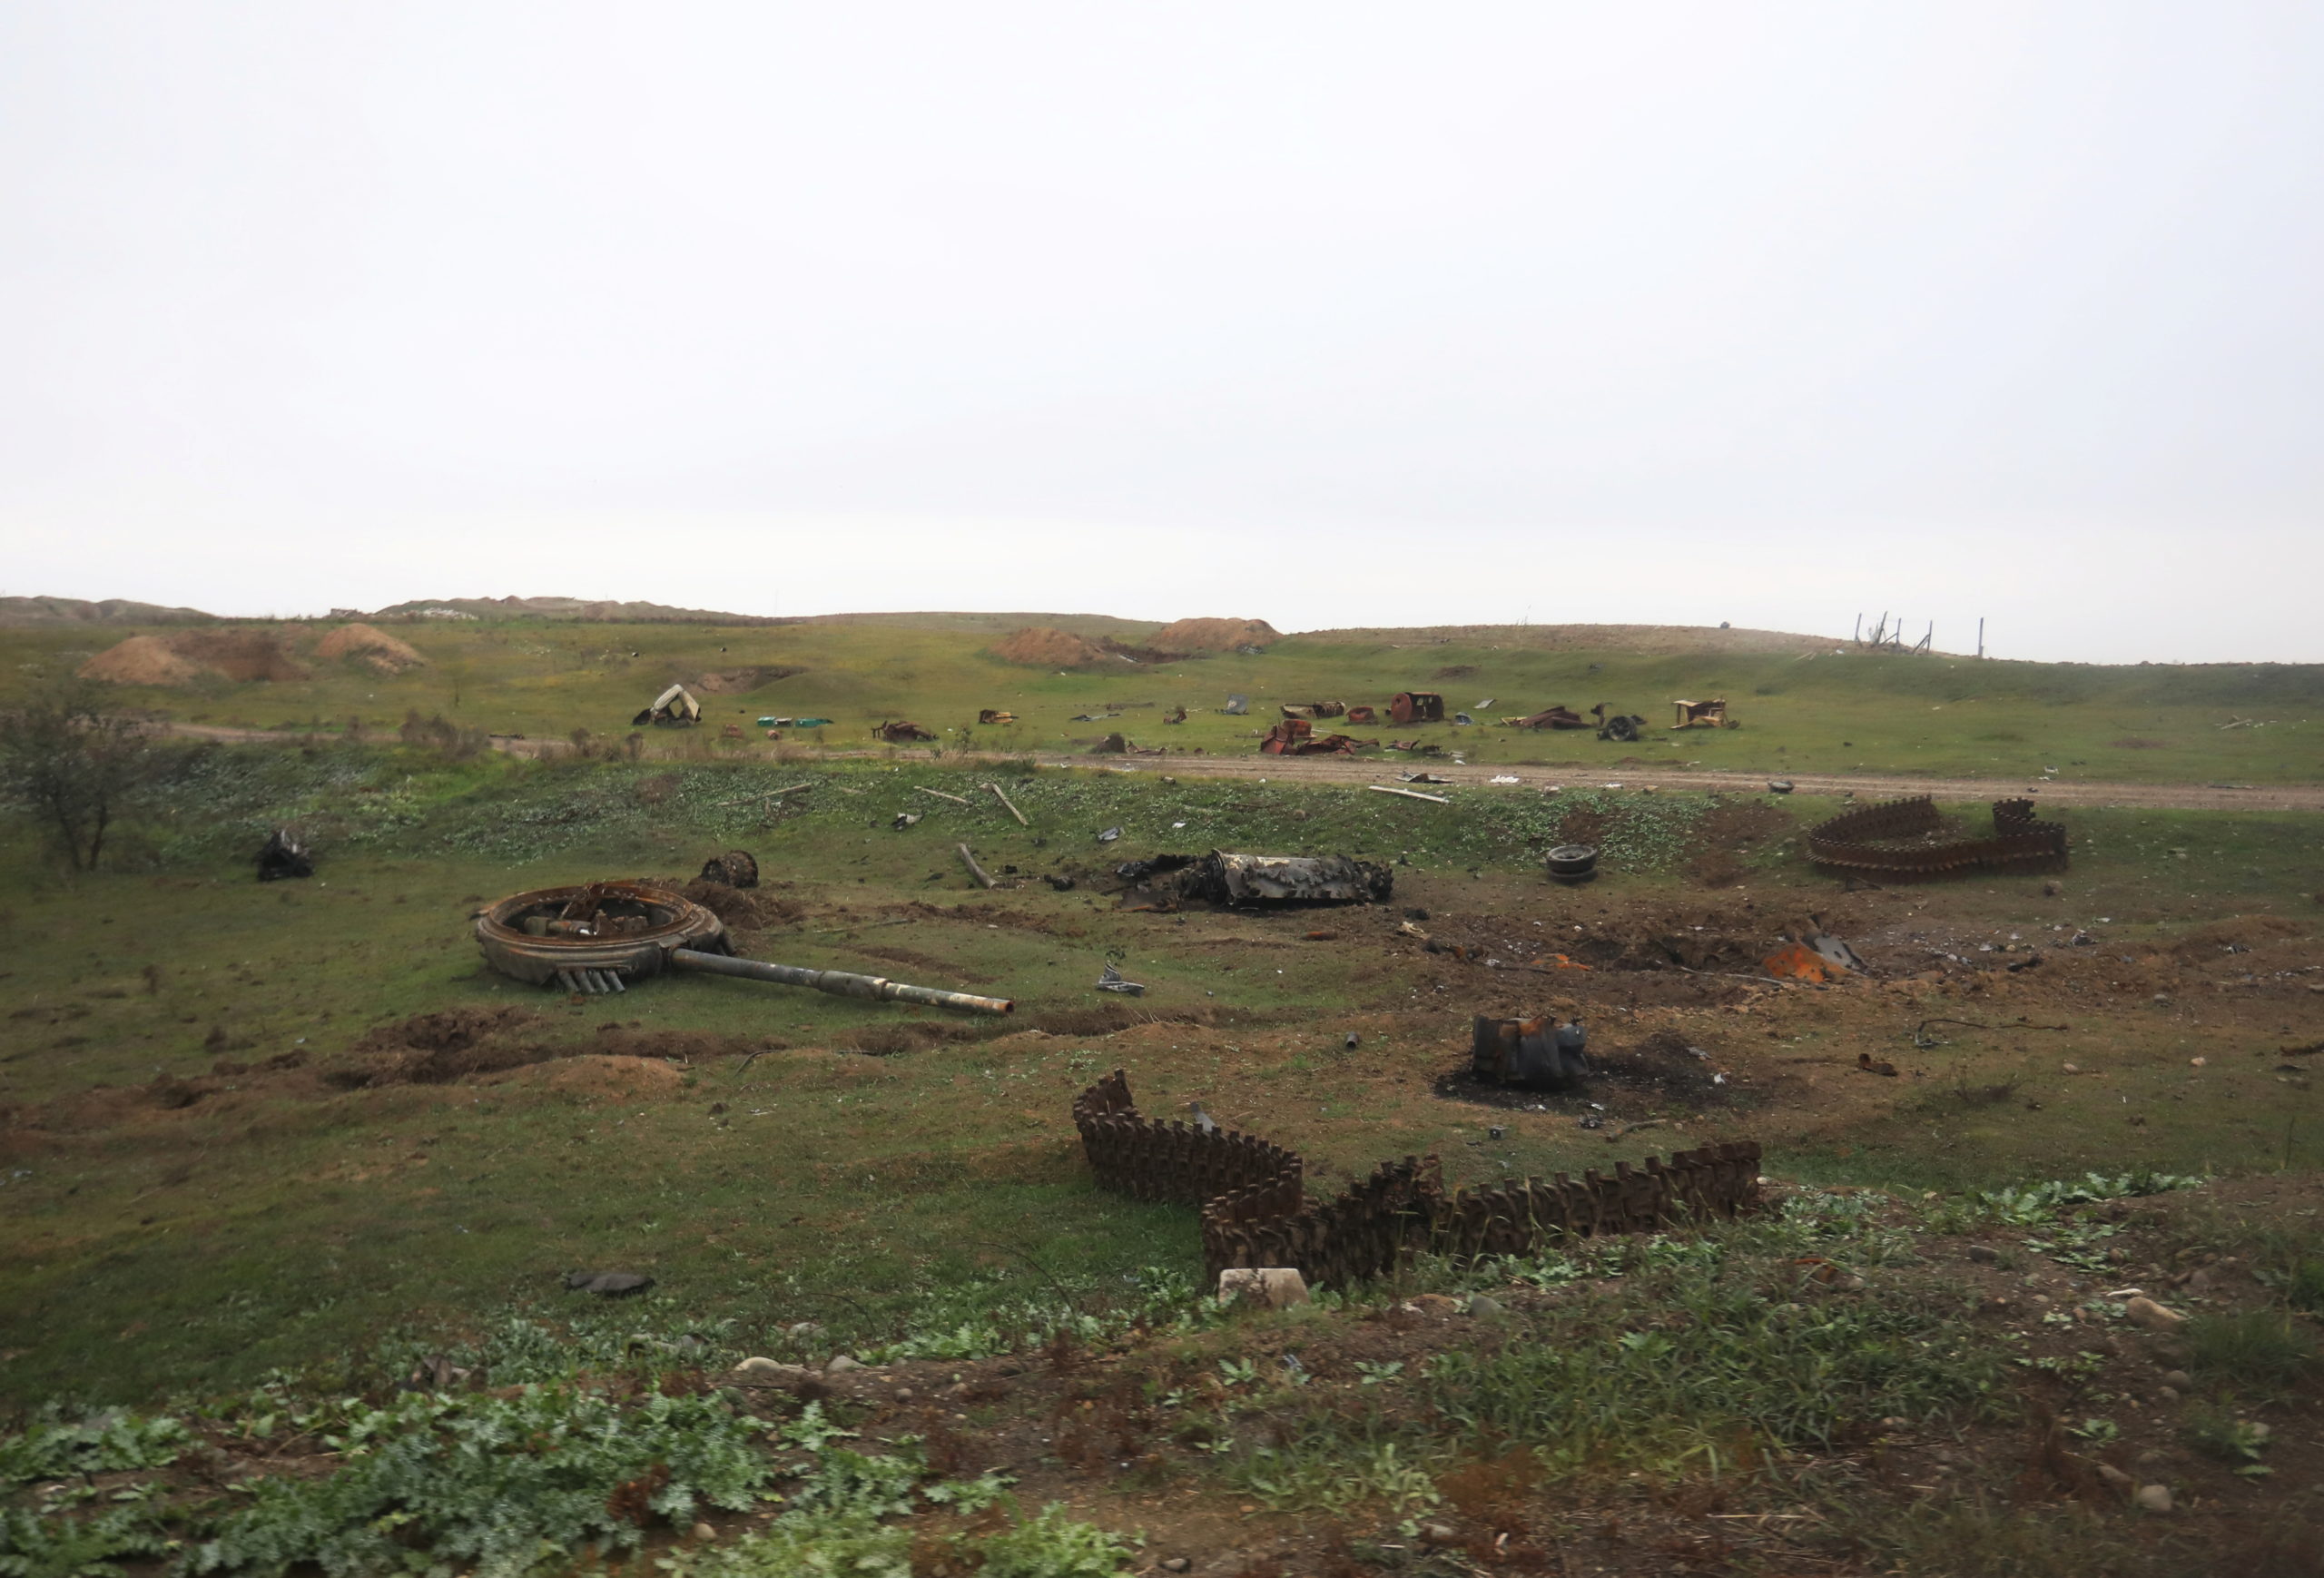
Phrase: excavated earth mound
(1045, 647)
(376, 649)
(142, 660)
(1214, 635)
(187, 656)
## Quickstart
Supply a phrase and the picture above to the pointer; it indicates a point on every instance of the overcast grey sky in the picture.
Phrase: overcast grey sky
(1324, 313)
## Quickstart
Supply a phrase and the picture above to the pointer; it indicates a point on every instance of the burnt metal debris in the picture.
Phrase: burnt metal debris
(1417, 706)
(596, 938)
(676, 706)
(902, 732)
(1362, 714)
(1549, 717)
(1243, 879)
(1538, 1053)
(283, 856)
(1314, 709)
(1911, 838)
(1255, 1212)
(995, 715)
(1702, 714)
(1259, 880)
(1297, 737)
(1623, 728)
(737, 868)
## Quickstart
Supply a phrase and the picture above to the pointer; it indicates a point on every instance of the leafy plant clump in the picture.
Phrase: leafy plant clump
(109, 1444)
(493, 1486)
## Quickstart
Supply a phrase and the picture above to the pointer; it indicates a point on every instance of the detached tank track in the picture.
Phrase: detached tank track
(1872, 838)
(1255, 1212)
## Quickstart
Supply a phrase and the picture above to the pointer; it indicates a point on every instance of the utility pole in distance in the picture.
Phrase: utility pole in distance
(1981, 635)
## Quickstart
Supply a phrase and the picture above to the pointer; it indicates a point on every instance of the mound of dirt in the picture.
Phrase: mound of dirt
(435, 1049)
(744, 909)
(1046, 646)
(187, 656)
(742, 681)
(1214, 635)
(375, 649)
(141, 660)
(598, 1076)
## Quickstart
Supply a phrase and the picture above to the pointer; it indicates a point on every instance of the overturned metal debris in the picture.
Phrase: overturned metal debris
(1623, 728)
(995, 715)
(1239, 880)
(1910, 838)
(1538, 1053)
(1417, 706)
(1110, 979)
(1702, 714)
(1362, 714)
(1549, 717)
(675, 705)
(1314, 709)
(902, 732)
(282, 856)
(595, 938)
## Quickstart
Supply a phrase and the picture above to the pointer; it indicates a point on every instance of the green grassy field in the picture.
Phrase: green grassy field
(1808, 713)
(282, 1220)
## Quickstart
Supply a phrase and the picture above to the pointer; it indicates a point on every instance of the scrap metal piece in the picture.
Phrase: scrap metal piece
(1703, 714)
(552, 933)
(1538, 1053)
(901, 732)
(1549, 717)
(1623, 728)
(1362, 714)
(283, 856)
(995, 715)
(1237, 880)
(676, 706)
(1417, 706)
(1237, 706)
(1110, 979)
(838, 982)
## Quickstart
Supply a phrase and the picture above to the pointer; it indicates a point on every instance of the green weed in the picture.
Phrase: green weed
(2258, 1347)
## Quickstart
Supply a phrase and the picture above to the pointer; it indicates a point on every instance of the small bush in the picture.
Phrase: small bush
(107, 1445)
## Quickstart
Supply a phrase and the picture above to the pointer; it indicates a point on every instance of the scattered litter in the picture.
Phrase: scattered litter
(1408, 794)
(1504, 778)
(905, 819)
(1109, 835)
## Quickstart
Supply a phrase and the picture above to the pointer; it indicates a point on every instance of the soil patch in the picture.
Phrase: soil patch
(740, 681)
(1626, 1083)
(374, 649)
(1731, 831)
(435, 1049)
(594, 1076)
(745, 909)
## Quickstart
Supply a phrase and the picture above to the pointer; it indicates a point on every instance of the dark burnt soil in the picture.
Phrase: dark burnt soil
(1628, 1082)
(437, 1049)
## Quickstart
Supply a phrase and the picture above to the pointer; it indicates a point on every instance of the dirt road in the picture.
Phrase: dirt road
(1865, 785)
(1386, 770)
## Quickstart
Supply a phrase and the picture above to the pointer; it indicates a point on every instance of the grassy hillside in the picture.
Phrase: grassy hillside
(1804, 712)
